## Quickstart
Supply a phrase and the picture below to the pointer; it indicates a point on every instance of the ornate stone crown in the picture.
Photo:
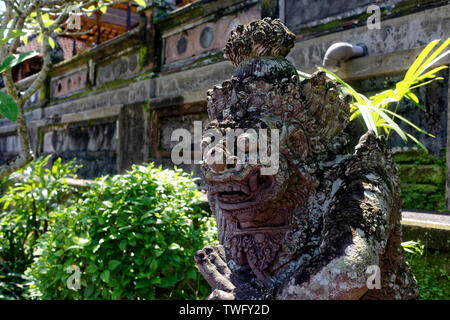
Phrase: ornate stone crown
(265, 80)
(261, 38)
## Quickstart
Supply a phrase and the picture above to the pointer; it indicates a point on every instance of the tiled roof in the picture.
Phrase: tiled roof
(66, 44)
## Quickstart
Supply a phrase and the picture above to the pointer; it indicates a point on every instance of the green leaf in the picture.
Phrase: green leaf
(408, 122)
(153, 265)
(417, 141)
(105, 276)
(192, 273)
(13, 34)
(144, 283)
(123, 245)
(15, 59)
(92, 268)
(113, 264)
(168, 281)
(8, 107)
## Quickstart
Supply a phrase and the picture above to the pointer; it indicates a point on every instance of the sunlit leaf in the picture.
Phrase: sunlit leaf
(141, 3)
(425, 83)
(51, 42)
(90, 9)
(433, 58)
(430, 74)
(412, 97)
(391, 122)
(419, 60)
(408, 122)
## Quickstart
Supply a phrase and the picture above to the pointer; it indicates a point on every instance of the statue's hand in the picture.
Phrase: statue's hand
(239, 284)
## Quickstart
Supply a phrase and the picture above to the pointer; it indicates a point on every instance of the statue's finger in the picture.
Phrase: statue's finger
(221, 295)
(209, 271)
(221, 251)
(220, 263)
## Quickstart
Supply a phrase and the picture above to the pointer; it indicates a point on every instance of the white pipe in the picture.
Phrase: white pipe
(342, 51)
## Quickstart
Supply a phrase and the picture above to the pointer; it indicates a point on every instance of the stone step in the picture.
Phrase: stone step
(433, 218)
(430, 227)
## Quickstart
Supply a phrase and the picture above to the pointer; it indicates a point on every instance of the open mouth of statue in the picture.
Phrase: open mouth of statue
(239, 194)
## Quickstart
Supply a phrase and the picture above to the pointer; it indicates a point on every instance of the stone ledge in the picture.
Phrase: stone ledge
(431, 228)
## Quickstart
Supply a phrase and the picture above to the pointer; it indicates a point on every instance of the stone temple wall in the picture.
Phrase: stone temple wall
(118, 103)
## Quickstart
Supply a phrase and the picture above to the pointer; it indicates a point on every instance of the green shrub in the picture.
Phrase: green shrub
(30, 195)
(132, 236)
(13, 286)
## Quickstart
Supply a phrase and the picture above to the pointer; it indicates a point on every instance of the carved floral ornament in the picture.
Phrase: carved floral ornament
(312, 229)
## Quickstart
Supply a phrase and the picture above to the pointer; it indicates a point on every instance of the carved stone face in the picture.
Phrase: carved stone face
(250, 205)
(247, 187)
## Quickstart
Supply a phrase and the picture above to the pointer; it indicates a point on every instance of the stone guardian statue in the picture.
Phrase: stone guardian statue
(326, 223)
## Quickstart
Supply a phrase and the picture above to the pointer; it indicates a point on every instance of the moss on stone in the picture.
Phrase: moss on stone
(425, 174)
(423, 180)
(142, 57)
(417, 157)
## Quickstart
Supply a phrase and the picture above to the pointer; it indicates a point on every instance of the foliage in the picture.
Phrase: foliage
(374, 110)
(8, 107)
(133, 236)
(423, 180)
(429, 270)
(31, 194)
(13, 286)
(413, 247)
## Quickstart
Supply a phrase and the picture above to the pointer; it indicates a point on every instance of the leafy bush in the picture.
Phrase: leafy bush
(428, 268)
(132, 236)
(13, 286)
(30, 195)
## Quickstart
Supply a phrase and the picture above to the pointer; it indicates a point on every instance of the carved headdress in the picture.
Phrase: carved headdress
(266, 80)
